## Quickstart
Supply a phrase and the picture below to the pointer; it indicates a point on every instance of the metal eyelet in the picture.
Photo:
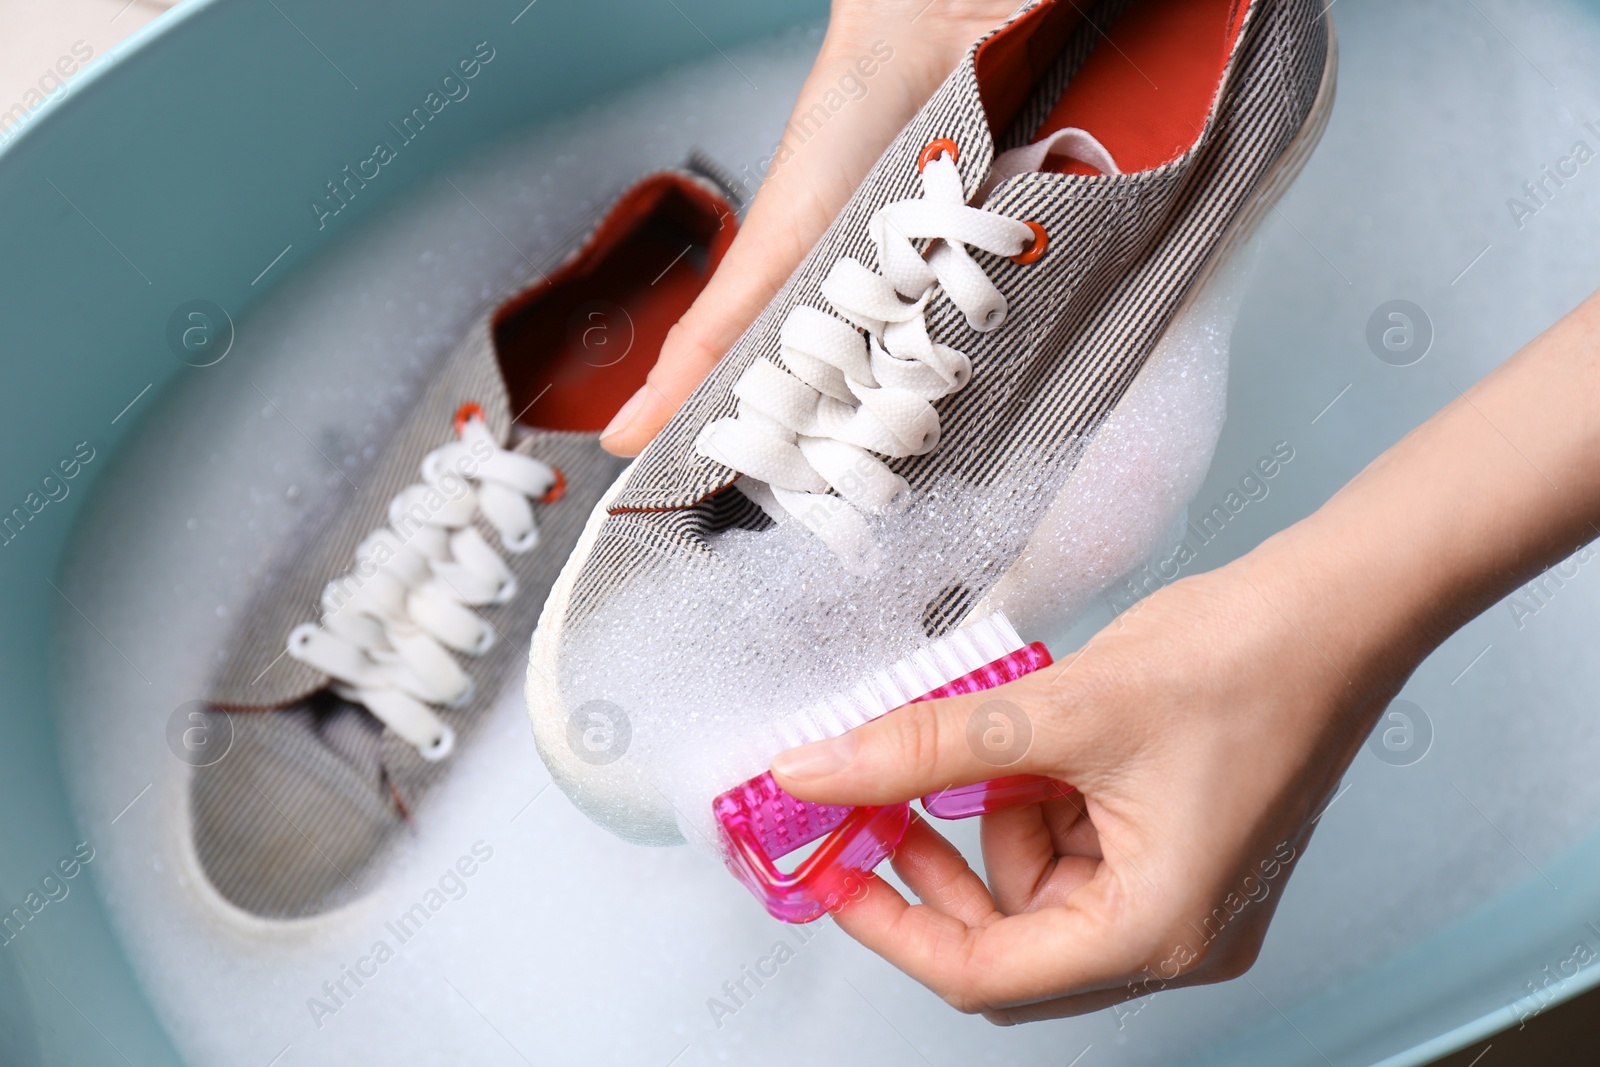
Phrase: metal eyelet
(1031, 254)
(466, 413)
(557, 490)
(936, 148)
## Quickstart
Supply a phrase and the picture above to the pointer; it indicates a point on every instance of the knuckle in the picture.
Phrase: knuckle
(964, 1002)
(966, 994)
(1108, 678)
(916, 738)
(1234, 962)
(1087, 683)
(1100, 697)
(983, 978)
(672, 344)
(684, 351)
(963, 965)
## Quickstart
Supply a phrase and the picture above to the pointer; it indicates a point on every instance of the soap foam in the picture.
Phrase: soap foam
(713, 662)
(1126, 501)
(571, 946)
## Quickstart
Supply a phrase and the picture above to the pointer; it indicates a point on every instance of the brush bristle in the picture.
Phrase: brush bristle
(936, 664)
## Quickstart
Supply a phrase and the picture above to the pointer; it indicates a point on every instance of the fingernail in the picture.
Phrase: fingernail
(625, 415)
(816, 760)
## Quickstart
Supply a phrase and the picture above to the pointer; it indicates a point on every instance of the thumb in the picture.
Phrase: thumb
(785, 219)
(800, 194)
(919, 749)
(730, 302)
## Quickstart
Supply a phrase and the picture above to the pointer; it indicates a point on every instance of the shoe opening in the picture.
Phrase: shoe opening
(1144, 88)
(577, 344)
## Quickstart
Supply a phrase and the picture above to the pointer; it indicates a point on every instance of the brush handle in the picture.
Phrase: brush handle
(997, 794)
(761, 823)
(1012, 791)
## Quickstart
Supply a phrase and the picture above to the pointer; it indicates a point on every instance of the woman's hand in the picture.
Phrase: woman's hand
(1204, 730)
(1207, 726)
(909, 46)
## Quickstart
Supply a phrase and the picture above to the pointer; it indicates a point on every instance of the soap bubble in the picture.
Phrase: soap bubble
(599, 732)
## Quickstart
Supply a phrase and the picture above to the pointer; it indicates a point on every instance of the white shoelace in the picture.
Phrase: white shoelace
(389, 624)
(808, 434)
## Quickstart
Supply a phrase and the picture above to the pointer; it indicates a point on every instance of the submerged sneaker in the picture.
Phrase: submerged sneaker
(383, 641)
(873, 461)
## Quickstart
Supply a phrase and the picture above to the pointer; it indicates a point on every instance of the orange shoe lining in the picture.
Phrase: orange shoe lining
(575, 346)
(1144, 91)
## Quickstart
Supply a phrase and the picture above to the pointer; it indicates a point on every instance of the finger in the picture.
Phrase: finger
(1077, 1004)
(937, 872)
(1065, 820)
(916, 750)
(744, 282)
(1081, 946)
(809, 179)
(1072, 831)
(790, 211)
(1018, 855)
(1228, 957)
(1026, 865)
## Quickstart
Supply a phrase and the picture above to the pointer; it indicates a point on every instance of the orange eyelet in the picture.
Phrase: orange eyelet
(556, 491)
(936, 148)
(466, 413)
(1031, 254)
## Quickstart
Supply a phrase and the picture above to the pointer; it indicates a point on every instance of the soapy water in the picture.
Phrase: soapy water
(569, 945)
(714, 664)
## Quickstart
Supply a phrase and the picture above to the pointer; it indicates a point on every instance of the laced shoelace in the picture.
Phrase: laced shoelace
(808, 435)
(390, 625)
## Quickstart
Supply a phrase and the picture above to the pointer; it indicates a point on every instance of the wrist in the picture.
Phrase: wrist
(1489, 491)
(1371, 613)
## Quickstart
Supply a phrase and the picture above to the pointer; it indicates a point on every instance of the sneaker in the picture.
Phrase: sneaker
(382, 642)
(867, 466)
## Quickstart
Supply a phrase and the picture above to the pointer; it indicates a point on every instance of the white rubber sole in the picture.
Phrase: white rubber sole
(609, 793)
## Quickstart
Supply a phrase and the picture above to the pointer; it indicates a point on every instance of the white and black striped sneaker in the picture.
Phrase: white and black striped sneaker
(867, 466)
(382, 640)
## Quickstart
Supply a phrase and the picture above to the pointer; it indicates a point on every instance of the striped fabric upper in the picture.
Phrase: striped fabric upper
(1124, 252)
(290, 821)
(256, 674)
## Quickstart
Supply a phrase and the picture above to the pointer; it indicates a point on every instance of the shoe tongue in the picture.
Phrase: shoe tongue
(1079, 146)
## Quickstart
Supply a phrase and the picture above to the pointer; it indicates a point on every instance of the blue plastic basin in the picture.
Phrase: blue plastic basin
(184, 165)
